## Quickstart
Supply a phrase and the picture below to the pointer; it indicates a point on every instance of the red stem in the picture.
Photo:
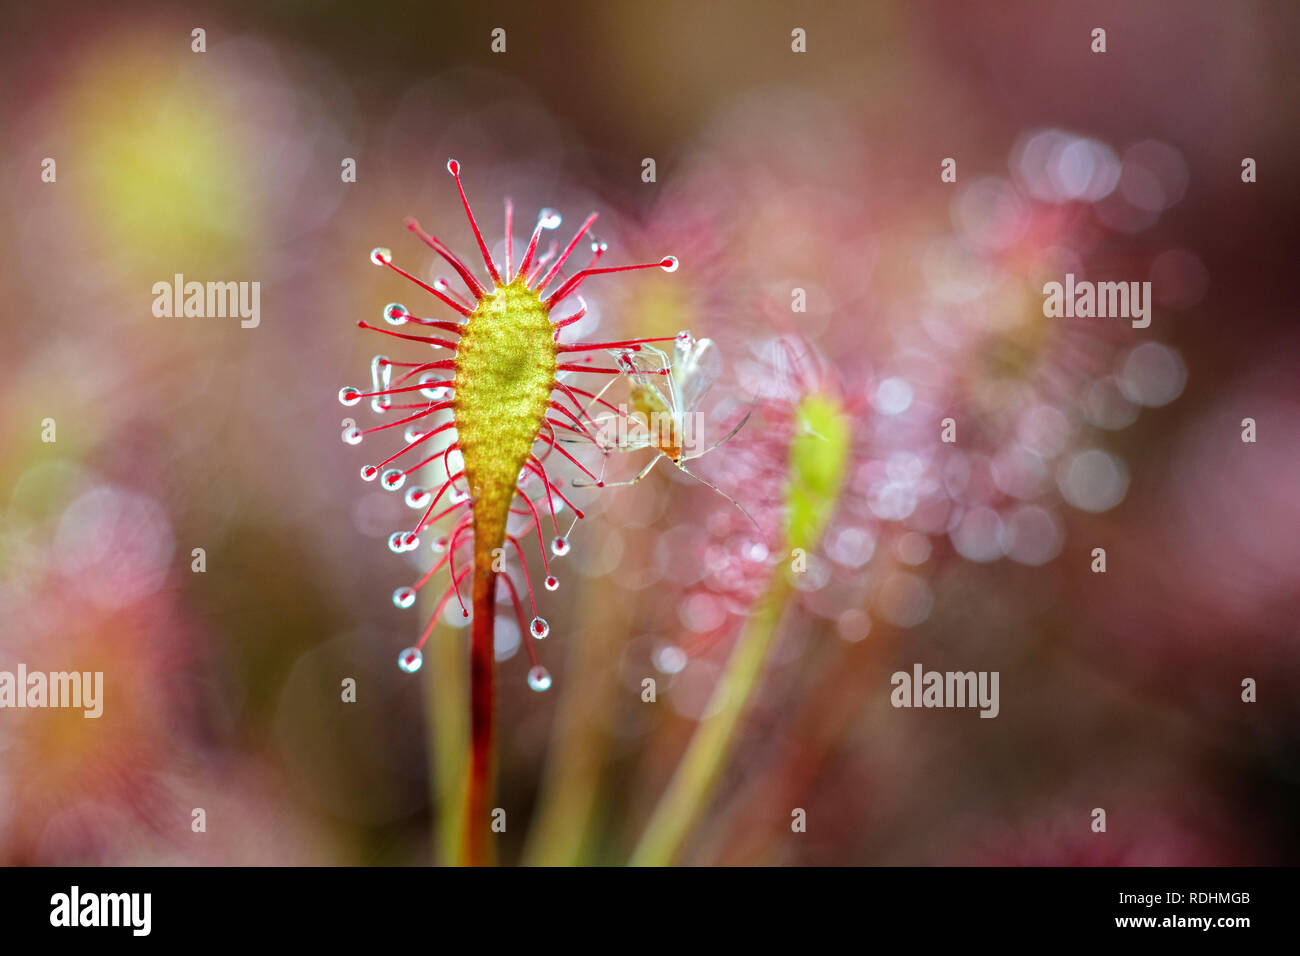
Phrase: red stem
(475, 851)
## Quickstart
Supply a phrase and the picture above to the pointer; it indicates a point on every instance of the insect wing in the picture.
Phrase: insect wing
(696, 366)
(643, 369)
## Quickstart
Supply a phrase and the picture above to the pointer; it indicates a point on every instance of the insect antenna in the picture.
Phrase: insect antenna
(727, 437)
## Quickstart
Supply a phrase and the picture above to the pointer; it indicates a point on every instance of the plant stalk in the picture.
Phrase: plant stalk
(446, 709)
(692, 782)
(475, 849)
(818, 455)
(566, 821)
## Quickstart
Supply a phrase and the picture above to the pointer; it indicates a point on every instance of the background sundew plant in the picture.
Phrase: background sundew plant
(317, 463)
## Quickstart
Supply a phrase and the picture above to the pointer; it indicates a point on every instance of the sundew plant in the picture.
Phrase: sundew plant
(501, 377)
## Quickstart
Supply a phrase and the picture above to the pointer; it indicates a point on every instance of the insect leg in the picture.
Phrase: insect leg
(727, 437)
(705, 481)
(631, 481)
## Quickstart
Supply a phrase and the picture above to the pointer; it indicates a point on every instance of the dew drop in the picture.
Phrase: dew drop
(404, 597)
(436, 391)
(392, 480)
(381, 256)
(381, 376)
(349, 396)
(668, 264)
(560, 545)
(410, 660)
(539, 678)
(539, 628)
(369, 472)
(395, 313)
(552, 582)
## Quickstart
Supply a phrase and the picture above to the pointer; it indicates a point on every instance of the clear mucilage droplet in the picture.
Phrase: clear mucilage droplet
(539, 628)
(435, 392)
(539, 678)
(349, 396)
(552, 582)
(395, 313)
(352, 436)
(410, 660)
(369, 472)
(559, 546)
(381, 377)
(404, 597)
(381, 256)
(392, 480)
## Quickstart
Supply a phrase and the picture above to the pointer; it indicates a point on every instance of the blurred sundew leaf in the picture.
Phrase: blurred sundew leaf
(1014, 349)
(665, 311)
(23, 449)
(164, 160)
(819, 454)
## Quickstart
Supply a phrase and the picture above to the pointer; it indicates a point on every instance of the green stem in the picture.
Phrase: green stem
(709, 748)
(564, 822)
(818, 456)
(446, 704)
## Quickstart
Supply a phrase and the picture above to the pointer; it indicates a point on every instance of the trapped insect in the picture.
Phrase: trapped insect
(666, 395)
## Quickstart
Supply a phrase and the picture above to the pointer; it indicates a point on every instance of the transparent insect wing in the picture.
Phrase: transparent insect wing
(644, 368)
(645, 362)
(696, 366)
